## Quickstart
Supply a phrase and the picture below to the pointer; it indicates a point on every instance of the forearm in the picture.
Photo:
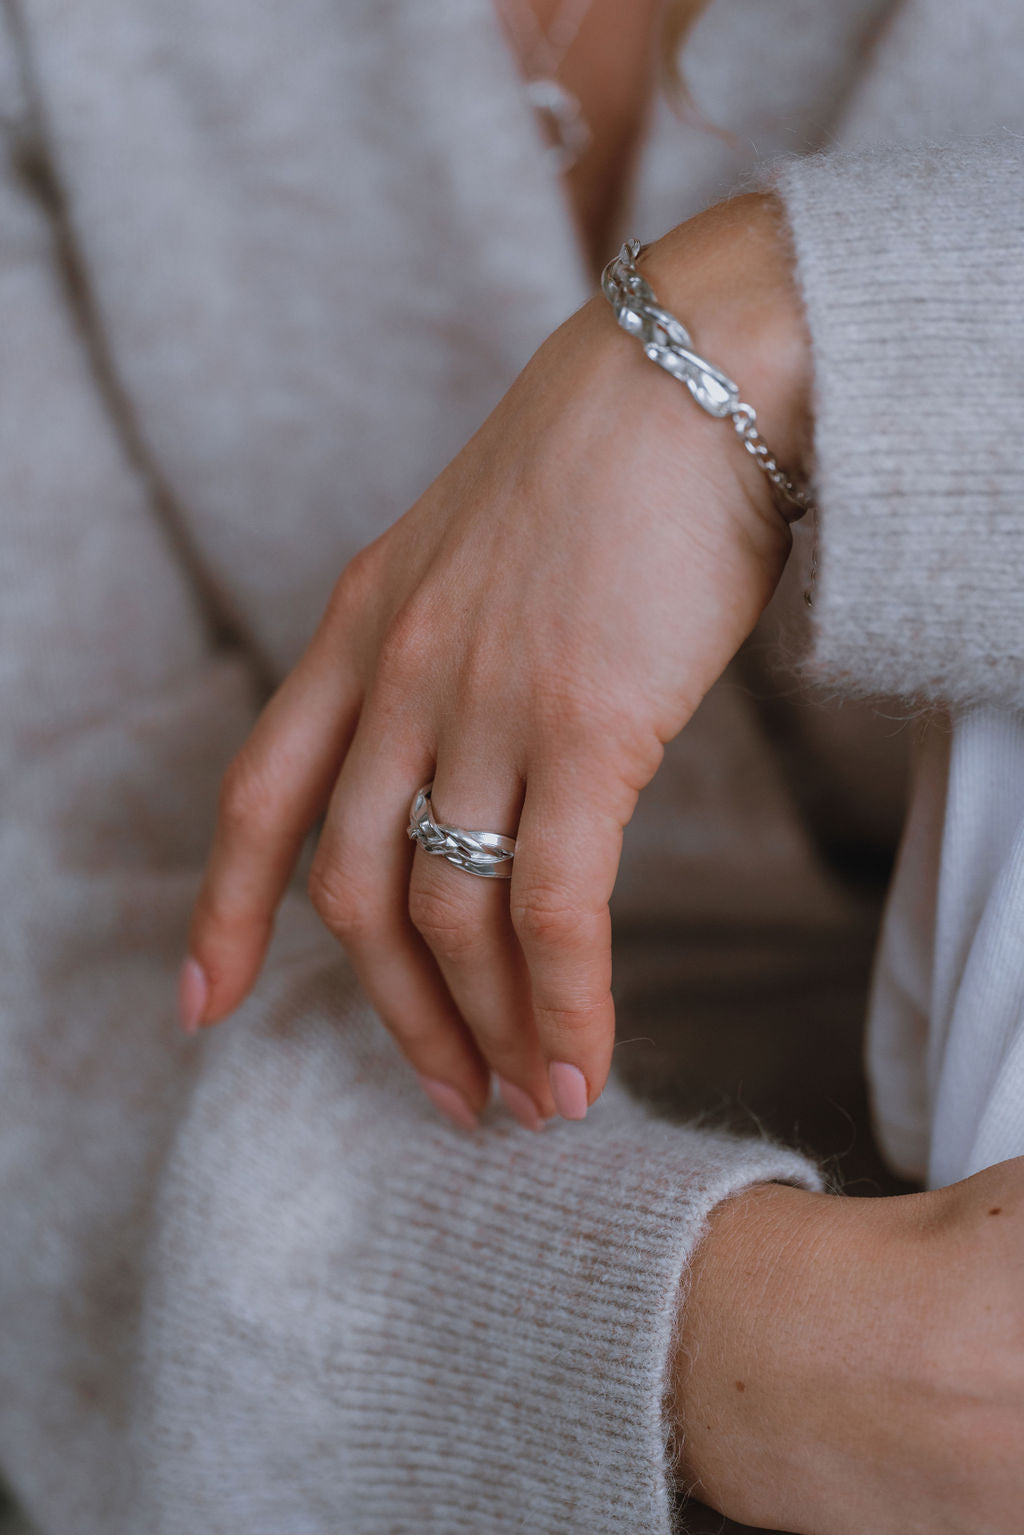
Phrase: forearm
(784, 1323)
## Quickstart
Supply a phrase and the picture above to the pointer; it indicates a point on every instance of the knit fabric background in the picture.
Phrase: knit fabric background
(252, 1282)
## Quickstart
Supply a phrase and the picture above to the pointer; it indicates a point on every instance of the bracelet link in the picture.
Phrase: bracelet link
(667, 342)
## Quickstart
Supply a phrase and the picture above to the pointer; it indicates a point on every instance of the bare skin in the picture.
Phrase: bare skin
(858, 1364)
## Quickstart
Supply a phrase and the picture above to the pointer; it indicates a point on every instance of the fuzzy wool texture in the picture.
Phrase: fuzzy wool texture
(252, 1282)
(915, 451)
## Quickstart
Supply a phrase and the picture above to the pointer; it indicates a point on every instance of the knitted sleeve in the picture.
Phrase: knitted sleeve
(252, 1282)
(911, 264)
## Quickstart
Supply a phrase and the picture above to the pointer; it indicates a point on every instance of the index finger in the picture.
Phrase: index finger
(567, 856)
(272, 794)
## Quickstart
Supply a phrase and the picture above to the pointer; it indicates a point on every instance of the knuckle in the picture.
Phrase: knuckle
(577, 713)
(571, 1018)
(481, 677)
(615, 738)
(247, 801)
(351, 618)
(409, 646)
(355, 588)
(546, 919)
(561, 710)
(340, 904)
(448, 930)
(218, 930)
(633, 763)
(360, 575)
(419, 1034)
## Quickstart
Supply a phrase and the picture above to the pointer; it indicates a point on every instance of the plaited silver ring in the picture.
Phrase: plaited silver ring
(486, 853)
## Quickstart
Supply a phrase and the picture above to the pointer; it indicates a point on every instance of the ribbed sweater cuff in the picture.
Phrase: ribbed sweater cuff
(432, 1332)
(535, 1285)
(911, 267)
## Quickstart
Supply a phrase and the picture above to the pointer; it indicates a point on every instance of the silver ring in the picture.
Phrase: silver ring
(486, 853)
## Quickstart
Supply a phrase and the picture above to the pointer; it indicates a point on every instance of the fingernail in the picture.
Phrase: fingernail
(193, 992)
(568, 1089)
(521, 1105)
(450, 1102)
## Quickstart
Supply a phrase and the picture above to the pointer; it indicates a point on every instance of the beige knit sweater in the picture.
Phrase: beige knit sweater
(262, 271)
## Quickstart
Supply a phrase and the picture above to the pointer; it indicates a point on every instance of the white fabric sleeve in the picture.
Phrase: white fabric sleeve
(911, 266)
(946, 1036)
(252, 1282)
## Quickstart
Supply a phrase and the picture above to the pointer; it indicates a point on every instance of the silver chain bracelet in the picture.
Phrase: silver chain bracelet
(667, 342)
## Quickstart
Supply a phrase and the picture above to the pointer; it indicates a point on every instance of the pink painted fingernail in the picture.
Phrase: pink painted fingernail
(521, 1105)
(568, 1089)
(193, 993)
(450, 1102)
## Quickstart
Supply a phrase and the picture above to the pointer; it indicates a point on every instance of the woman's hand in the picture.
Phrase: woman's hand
(528, 636)
(858, 1364)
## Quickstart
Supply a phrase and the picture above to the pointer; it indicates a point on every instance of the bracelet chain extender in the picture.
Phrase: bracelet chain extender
(667, 342)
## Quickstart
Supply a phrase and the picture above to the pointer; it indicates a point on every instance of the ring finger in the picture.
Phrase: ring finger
(359, 883)
(465, 921)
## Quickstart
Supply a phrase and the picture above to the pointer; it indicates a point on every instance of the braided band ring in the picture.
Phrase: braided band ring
(486, 853)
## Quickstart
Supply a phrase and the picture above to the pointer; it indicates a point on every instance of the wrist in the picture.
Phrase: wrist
(729, 275)
(799, 1320)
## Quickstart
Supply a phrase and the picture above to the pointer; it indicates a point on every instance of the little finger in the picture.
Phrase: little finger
(567, 857)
